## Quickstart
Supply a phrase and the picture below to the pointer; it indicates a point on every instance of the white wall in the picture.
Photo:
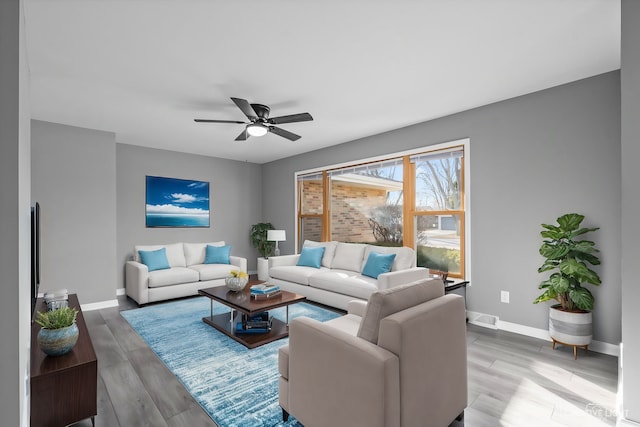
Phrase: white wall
(630, 84)
(533, 158)
(15, 307)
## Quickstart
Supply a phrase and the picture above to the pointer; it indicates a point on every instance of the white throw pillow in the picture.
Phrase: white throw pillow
(195, 252)
(349, 256)
(405, 257)
(329, 251)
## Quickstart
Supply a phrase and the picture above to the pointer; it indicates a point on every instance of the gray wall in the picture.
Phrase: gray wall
(630, 82)
(92, 196)
(533, 158)
(235, 200)
(74, 180)
(15, 307)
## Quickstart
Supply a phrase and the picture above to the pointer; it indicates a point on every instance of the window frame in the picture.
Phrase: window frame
(409, 210)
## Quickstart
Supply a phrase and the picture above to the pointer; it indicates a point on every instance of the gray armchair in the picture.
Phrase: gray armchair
(399, 360)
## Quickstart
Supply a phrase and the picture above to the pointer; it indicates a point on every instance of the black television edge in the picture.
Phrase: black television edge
(35, 255)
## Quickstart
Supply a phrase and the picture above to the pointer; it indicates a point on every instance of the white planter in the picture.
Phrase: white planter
(570, 328)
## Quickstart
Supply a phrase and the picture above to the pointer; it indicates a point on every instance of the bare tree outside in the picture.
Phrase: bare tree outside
(438, 190)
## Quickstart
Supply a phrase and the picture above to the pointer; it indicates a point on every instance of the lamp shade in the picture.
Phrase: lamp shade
(276, 235)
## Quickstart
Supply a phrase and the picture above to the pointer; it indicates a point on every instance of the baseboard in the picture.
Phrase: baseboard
(494, 322)
(99, 305)
(120, 291)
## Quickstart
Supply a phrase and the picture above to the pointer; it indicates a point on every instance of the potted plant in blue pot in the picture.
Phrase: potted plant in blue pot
(568, 257)
(58, 333)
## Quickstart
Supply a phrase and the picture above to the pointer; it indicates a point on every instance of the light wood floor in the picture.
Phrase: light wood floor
(513, 381)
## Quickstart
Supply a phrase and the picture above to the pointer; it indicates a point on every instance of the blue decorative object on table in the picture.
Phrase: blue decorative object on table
(56, 342)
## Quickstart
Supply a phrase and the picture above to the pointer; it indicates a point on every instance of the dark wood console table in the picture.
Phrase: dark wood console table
(63, 388)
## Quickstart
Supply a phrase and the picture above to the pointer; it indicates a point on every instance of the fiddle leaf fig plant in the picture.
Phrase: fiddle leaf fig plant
(568, 258)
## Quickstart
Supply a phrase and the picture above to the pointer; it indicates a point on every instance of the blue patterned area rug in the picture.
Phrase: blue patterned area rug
(238, 387)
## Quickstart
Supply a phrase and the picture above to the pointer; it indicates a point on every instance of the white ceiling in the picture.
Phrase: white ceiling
(145, 69)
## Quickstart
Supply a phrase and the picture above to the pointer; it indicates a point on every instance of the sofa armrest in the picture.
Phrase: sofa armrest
(239, 262)
(357, 307)
(283, 260)
(431, 340)
(401, 277)
(336, 378)
(137, 281)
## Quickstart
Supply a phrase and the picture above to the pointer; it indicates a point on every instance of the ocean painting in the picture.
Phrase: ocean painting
(173, 202)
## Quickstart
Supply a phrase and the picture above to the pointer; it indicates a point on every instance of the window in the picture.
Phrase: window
(310, 207)
(439, 210)
(415, 200)
(366, 203)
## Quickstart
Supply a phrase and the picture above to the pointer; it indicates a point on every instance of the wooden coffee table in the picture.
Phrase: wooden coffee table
(242, 304)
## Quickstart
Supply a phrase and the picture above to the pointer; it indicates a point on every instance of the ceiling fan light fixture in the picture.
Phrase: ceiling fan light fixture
(257, 129)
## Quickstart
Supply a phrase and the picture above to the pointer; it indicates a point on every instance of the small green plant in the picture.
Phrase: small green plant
(567, 257)
(259, 240)
(57, 319)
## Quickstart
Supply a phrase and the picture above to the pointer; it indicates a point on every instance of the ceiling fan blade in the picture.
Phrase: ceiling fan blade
(284, 133)
(243, 135)
(301, 117)
(246, 108)
(217, 121)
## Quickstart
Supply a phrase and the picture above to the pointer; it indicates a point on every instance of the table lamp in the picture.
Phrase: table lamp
(276, 236)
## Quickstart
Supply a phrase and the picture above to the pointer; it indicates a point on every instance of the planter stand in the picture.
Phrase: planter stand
(575, 347)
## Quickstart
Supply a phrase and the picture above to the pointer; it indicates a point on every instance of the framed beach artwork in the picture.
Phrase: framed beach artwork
(172, 202)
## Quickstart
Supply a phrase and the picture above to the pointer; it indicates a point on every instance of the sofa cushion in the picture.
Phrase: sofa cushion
(405, 257)
(329, 252)
(293, 273)
(311, 257)
(388, 301)
(377, 264)
(344, 282)
(217, 254)
(213, 271)
(172, 276)
(155, 260)
(349, 256)
(348, 323)
(175, 253)
(194, 253)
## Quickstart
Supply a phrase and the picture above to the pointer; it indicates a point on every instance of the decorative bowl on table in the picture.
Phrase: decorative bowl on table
(236, 281)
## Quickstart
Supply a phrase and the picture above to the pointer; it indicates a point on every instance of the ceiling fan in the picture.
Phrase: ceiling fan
(260, 122)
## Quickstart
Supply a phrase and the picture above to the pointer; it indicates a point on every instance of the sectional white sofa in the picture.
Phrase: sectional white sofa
(187, 273)
(339, 279)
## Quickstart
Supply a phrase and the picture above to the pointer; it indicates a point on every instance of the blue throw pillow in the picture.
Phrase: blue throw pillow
(155, 260)
(217, 255)
(378, 264)
(311, 256)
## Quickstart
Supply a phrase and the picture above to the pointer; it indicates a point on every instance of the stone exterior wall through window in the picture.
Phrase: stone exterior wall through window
(351, 208)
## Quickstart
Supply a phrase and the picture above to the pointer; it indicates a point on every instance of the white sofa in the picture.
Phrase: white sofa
(339, 279)
(188, 272)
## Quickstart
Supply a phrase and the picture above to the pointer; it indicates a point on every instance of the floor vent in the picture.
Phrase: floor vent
(484, 320)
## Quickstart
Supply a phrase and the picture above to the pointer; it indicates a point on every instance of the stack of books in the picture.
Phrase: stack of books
(259, 323)
(265, 291)
(56, 299)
